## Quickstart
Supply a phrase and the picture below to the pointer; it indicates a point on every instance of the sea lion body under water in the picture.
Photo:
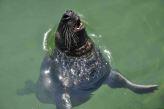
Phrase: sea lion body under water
(77, 68)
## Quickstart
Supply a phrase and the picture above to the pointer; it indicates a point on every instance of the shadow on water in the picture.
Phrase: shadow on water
(32, 88)
(29, 88)
(161, 96)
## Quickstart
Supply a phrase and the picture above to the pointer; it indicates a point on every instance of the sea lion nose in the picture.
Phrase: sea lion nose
(69, 11)
(67, 15)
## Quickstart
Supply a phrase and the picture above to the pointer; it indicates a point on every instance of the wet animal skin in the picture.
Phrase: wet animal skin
(77, 68)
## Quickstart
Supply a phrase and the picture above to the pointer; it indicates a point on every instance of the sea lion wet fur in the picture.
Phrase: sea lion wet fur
(77, 68)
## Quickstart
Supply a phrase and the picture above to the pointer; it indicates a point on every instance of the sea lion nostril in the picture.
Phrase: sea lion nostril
(69, 11)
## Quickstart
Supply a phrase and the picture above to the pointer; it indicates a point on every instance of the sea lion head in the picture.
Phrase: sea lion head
(70, 34)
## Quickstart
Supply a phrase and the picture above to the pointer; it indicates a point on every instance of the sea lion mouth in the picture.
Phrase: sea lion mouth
(78, 26)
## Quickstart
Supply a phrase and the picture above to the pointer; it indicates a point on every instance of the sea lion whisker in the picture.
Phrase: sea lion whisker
(73, 36)
(65, 40)
(64, 34)
(76, 36)
(70, 41)
(68, 38)
(74, 39)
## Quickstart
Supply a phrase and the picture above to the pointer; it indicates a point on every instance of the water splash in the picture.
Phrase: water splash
(98, 42)
(45, 40)
(108, 54)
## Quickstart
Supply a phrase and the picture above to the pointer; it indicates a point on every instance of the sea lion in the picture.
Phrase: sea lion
(77, 68)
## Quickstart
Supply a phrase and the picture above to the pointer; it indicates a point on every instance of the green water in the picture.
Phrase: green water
(133, 30)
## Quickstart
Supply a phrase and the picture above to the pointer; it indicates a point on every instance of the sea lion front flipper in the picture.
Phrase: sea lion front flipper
(62, 101)
(116, 80)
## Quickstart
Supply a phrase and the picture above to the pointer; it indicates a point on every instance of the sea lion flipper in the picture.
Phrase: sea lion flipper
(116, 80)
(62, 101)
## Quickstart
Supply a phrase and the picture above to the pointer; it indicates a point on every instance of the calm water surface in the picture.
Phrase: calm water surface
(133, 30)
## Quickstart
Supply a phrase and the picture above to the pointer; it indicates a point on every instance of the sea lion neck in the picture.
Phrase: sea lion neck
(82, 47)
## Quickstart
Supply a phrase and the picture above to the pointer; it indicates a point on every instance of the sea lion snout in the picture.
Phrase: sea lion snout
(67, 15)
(70, 15)
(72, 20)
